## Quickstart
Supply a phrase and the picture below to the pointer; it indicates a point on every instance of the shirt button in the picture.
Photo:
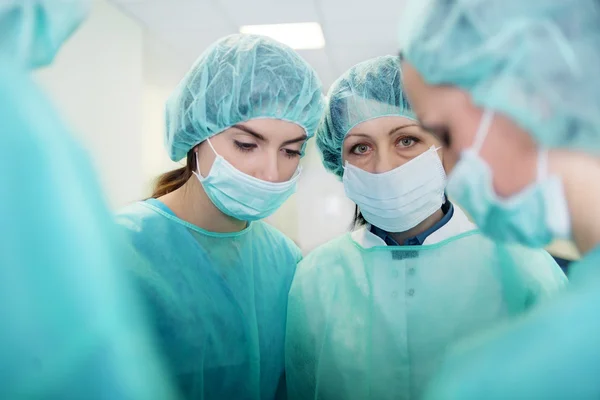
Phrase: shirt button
(411, 271)
(410, 292)
(395, 273)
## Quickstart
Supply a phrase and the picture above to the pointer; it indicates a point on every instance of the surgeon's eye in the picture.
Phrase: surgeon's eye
(407, 141)
(360, 149)
(289, 153)
(245, 147)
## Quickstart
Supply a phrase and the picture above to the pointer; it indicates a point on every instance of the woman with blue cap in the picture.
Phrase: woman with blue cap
(511, 88)
(371, 313)
(215, 277)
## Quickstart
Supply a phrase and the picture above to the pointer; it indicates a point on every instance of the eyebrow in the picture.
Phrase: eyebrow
(297, 140)
(250, 132)
(264, 139)
(399, 128)
(394, 130)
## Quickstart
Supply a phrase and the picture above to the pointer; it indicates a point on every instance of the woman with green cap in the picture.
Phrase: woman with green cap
(215, 277)
(511, 88)
(372, 313)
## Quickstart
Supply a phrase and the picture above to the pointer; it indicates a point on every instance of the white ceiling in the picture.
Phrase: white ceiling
(355, 30)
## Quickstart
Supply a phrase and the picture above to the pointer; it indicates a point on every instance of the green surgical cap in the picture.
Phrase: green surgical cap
(536, 61)
(239, 78)
(369, 90)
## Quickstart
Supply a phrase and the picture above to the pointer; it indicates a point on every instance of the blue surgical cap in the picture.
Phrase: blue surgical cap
(31, 32)
(239, 78)
(369, 90)
(536, 61)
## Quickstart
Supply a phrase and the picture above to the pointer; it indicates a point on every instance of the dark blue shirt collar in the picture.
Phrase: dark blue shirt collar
(418, 240)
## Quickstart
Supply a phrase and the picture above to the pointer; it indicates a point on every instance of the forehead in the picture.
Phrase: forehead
(272, 126)
(381, 125)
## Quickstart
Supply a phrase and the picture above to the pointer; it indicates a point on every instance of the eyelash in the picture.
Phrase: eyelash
(356, 146)
(245, 147)
(291, 153)
(248, 147)
(414, 140)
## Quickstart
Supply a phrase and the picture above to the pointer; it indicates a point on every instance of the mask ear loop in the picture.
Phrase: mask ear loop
(211, 146)
(482, 131)
(199, 173)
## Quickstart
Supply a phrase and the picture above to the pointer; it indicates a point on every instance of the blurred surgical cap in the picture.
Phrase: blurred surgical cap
(32, 31)
(536, 61)
(369, 90)
(239, 78)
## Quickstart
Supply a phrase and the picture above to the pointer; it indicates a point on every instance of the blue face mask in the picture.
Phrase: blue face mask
(534, 217)
(242, 196)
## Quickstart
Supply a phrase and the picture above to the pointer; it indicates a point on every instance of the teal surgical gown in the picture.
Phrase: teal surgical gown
(552, 353)
(218, 300)
(374, 323)
(70, 326)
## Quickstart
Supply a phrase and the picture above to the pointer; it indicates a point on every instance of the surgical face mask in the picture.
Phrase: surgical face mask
(533, 217)
(400, 199)
(242, 196)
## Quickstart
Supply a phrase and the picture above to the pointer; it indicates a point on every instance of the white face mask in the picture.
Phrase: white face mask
(240, 195)
(400, 199)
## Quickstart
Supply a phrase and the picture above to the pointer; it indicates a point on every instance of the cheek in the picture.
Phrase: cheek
(206, 158)
(512, 155)
(288, 167)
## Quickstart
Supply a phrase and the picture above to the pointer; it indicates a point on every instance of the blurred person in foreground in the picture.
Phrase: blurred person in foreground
(71, 329)
(512, 89)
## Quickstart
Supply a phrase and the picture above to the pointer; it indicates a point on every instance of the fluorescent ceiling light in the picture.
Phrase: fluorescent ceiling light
(300, 36)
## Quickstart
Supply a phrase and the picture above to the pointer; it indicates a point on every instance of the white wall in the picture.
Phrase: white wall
(163, 69)
(97, 83)
(323, 211)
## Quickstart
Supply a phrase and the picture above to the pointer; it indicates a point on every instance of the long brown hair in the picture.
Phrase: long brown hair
(173, 180)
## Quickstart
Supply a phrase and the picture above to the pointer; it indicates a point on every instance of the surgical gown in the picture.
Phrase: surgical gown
(218, 300)
(552, 353)
(70, 326)
(374, 323)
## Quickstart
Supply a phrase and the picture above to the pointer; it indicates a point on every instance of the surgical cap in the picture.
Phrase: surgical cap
(536, 61)
(369, 90)
(32, 31)
(239, 78)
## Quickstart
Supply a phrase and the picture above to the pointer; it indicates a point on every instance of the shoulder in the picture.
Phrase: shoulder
(146, 231)
(274, 238)
(326, 256)
(136, 215)
(140, 221)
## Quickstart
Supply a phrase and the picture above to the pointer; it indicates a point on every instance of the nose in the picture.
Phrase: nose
(386, 162)
(269, 170)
